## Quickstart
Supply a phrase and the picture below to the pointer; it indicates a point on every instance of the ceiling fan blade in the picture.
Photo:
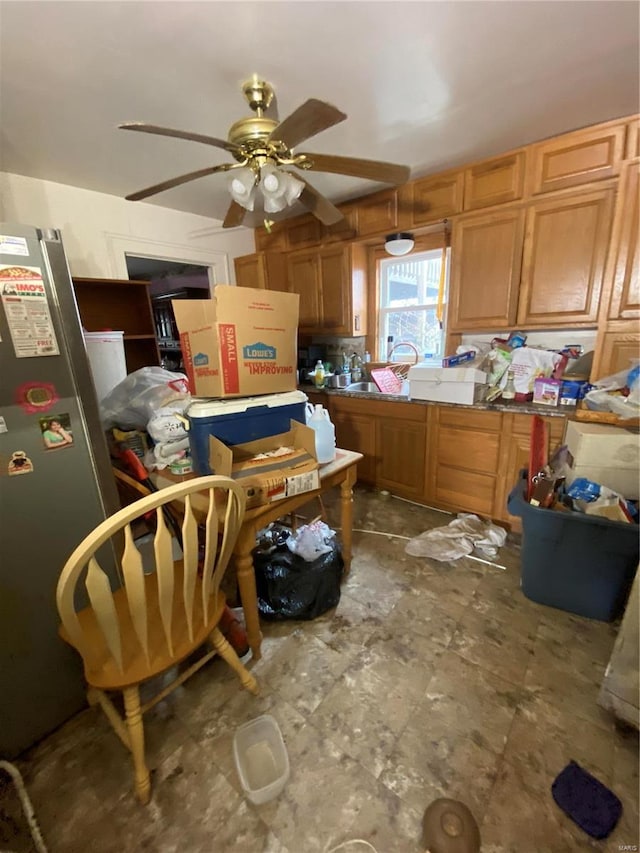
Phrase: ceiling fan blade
(373, 170)
(235, 215)
(181, 179)
(142, 127)
(317, 204)
(310, 118)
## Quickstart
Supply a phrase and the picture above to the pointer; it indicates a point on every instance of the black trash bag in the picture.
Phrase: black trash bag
(292, 588)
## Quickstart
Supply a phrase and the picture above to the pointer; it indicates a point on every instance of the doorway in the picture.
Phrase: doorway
(169, 280)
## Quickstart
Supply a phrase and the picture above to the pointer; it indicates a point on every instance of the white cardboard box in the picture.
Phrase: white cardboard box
(446, 384)
(605, 454)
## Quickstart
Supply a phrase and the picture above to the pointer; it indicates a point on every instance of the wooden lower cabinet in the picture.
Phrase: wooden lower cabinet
(463, 451)
(514, 455)
(392, 437)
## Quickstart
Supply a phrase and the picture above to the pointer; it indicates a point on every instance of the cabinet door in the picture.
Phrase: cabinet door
(617, 352)
(486, 256)
(563, 261)
(514, 456)
(577, 158)
(401, 449)
(335, 288)
(624, 254)
(250, 271)
(303, 279)
(378, 213)
(303, 231)
(463, 459)
(273, 240)
(434, 198)
(633, 139)
(357, 432)
(346, 229)
(495, 181)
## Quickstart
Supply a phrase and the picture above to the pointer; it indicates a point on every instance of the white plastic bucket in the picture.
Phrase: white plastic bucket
(106, 357)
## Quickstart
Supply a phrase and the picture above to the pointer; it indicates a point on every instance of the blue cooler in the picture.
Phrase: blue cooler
(240, 419)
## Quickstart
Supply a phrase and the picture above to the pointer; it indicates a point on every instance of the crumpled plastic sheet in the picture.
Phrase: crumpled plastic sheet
(459, 538)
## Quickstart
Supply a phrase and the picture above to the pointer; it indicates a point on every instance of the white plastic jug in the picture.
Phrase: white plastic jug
(325, 434)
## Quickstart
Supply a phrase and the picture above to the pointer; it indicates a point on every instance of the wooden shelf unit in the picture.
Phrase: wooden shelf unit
(124, 306)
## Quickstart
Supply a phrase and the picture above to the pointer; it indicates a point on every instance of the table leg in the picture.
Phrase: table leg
(346, 515)
(247, 585)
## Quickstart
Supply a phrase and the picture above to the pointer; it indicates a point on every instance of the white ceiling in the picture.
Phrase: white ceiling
(428, 84)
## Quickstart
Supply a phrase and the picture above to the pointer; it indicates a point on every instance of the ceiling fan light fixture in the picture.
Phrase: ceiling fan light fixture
(279, 189)
(400, 243)
(242, 186)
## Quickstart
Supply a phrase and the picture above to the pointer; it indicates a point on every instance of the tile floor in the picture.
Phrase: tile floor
(429, 679)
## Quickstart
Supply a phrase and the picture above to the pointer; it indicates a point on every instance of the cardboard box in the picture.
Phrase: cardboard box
(240, 343)
(447, 384)
(607, 455)
(274, 477)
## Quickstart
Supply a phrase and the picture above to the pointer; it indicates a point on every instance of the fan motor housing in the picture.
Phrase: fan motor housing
(248, 131)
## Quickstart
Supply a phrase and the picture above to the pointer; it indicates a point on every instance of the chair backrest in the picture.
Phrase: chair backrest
(219, 504)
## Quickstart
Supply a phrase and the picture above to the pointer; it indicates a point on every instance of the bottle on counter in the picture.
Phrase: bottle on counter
(318, 375)
(367, 357)
(325, 432)
(509, 390)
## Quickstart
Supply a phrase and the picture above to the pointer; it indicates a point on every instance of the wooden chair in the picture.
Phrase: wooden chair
(154, 619)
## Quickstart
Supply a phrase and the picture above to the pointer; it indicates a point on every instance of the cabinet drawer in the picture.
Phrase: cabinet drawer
(469, 419)
(431, 199)
(495, 181)
(457, 488)
(468, 450)
(521, 425)
(577, 158)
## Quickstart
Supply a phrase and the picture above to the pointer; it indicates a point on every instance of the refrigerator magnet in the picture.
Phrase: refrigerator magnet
(3, 425)
(36, 397)
(26, 307)
(56, 431)
(19, 464)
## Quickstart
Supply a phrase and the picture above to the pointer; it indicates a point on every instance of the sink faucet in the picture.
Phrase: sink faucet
(404, 344)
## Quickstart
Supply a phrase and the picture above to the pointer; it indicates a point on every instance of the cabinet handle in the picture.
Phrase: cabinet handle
(356, 322)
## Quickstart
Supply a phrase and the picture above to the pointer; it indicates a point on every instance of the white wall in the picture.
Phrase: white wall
(97, 229)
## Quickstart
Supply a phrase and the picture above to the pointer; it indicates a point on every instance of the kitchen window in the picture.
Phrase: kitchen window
(412, 304)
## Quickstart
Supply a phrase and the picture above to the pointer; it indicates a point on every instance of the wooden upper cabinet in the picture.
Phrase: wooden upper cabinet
(577, 158)
(265, 270)
(346, 229)
(495, 181)
(342, 272)
(616, 353)
(623, 265)
(378, 213)
(633, 138)
(273, 240)
(563, 260)
(303, 231)
(303, 278)
(486, 254)
(430, 199)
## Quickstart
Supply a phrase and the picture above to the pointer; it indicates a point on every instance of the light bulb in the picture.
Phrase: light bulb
(271, 183)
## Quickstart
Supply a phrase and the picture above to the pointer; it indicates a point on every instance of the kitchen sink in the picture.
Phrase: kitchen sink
(369, 387)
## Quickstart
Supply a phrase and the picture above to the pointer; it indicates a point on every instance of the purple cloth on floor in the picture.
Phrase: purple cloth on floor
(587, 801)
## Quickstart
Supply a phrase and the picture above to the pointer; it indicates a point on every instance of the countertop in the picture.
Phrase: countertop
(512, 408)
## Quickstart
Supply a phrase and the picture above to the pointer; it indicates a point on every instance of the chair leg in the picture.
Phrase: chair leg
(136, 738)
(226, 651)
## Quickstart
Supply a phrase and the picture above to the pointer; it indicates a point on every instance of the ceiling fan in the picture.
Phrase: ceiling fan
(263, 150)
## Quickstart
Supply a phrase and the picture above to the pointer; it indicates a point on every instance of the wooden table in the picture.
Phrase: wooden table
(341, 472)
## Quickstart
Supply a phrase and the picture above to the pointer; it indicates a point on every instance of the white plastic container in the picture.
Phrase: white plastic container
(261, 759)
(447, 384)
(325, 431)
(106, 357)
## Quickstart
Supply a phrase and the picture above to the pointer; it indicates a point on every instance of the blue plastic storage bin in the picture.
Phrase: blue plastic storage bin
(576, 562)
(238, 420)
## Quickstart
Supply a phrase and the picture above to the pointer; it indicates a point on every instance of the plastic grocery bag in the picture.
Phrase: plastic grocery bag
(458, 539)
(134, 401)
(619, 393)
(311, 541)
